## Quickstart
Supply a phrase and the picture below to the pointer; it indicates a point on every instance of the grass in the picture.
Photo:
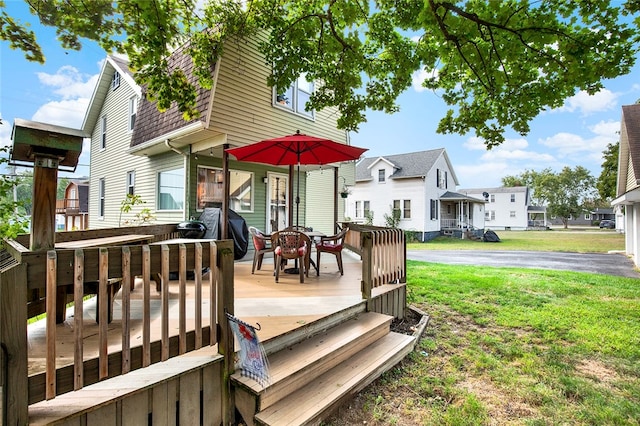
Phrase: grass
(590, 241)
(511, 346)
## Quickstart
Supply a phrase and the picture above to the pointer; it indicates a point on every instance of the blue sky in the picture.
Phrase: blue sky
(59, 91)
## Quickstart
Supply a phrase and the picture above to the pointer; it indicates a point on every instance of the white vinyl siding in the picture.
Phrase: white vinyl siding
(114, 163)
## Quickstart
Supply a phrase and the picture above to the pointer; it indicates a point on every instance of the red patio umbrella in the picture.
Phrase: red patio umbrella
(296, 149)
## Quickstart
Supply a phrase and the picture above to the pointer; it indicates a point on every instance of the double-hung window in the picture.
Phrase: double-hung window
(103, 132)
(131, 183)
(115, 81)
(171, 190)
(296, 97)
(101, 195)
(133, 109)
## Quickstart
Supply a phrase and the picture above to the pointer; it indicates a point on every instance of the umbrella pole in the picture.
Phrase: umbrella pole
(298, 197)
(295, 268)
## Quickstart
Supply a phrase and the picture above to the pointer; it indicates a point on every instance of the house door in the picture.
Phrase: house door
(277, 201)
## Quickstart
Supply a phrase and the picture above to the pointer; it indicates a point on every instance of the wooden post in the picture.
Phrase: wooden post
(366, 242)
(51, 285)
(224, 220)
(182, 300)
(43, 212)
(146, 306)
(198, 296)
(225, 342)
(126, 309)
(164, 302)
(103, 314)
(13, 337)
(78, 319)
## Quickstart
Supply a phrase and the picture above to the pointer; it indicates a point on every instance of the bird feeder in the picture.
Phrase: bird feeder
(46, 148)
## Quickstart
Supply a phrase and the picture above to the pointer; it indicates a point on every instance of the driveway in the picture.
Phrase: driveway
(599, 263)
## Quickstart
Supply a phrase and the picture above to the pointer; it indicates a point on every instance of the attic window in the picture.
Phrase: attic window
(296, 96)
(115, 82)
(381, 175)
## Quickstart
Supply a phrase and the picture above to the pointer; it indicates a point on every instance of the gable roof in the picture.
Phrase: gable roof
(109, 67)
(498, 190)
(456, 196)
(629, 152)
(411, 165)
(152, 126)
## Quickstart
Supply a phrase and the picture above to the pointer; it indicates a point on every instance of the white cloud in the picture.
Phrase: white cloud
(570, 144)
(586, 104)
(69, 83)
(419, 76)
(475, 143)
(5, 133)
(67, 113)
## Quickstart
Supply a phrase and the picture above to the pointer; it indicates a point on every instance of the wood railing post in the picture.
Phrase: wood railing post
(366, 242)
(51, 290)
(78, 320)
(13, 346)
(225, 290)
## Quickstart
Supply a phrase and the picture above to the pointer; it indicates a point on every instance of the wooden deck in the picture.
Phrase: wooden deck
(277, 307)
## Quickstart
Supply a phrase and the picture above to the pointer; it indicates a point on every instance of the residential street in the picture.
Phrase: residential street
(600, 263)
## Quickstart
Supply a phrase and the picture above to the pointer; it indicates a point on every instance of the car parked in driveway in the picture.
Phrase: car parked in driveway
(607, 224)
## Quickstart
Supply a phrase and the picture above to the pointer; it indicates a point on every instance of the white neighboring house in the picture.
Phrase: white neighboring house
(421, 186)
(509, 208)
(628, 183)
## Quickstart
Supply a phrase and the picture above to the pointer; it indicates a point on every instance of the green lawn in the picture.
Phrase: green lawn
(511, 346)
(580, 241)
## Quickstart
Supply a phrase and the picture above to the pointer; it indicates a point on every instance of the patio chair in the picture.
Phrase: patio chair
(332, 244)
(262, 245)
(295, 245)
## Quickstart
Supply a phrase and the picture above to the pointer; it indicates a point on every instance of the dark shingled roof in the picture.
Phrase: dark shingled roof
(151, 123)
(498, 190)
(414, 164)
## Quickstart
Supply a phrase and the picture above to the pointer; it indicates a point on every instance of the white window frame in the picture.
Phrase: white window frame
(103, 132)
(131, 182)
(512, 214)
(492, 198)
(406, 209)
(513, 198)
(382, 175)
(133, 110)
(115, 81)
(177, 190)
(295, 98)
(101, 198)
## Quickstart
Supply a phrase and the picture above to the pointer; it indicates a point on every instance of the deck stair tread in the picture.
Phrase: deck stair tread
(318, 397)
(293, 367)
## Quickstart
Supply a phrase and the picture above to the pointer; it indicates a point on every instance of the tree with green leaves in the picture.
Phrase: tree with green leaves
(566, 194)
(13, 218)
(497, 64)
(608, 179)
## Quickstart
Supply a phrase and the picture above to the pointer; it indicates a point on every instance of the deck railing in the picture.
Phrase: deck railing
(75, 267)
(383, 252)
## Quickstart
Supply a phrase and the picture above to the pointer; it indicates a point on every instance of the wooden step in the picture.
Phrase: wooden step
(312, 403)
(297, 365)
(299, 334)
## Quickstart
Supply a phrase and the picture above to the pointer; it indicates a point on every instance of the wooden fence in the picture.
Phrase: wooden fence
(75, 268)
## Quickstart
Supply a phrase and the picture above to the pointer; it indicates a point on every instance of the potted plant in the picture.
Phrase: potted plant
(344, 192)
